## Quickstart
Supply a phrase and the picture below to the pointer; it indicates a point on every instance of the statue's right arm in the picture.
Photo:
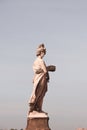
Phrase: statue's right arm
(39, 71)
(43, 66)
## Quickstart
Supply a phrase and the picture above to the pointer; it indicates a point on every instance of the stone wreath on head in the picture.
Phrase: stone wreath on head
(41, 48)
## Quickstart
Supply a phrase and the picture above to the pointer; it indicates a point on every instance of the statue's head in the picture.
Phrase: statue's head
(41, 48)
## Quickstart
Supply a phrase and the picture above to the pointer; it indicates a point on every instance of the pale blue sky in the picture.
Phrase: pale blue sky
(62, 26)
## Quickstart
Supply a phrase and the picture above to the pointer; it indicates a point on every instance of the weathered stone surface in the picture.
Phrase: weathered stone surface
(36, 114)
(37, 123)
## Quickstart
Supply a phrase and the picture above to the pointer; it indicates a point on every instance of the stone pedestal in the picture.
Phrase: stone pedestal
(37, 122)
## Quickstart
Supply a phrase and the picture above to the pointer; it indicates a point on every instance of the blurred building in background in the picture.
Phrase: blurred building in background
(81, 129)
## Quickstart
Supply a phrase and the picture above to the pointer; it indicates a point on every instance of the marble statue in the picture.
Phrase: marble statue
(40, 80)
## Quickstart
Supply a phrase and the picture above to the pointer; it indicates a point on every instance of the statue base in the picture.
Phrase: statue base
(37, 121)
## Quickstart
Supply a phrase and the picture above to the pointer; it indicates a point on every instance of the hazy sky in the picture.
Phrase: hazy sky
(62, 26)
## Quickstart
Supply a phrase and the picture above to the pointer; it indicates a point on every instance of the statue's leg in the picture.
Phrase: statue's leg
(31, 107)
(39, 93)
(39, 104)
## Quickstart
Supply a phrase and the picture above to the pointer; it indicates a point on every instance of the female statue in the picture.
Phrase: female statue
(40, 81)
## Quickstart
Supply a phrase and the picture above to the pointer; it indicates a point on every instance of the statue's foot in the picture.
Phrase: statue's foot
(43, 112)
(30, 111)
(32, 107)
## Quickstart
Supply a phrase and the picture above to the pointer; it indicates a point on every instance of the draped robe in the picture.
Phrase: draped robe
(40, 84)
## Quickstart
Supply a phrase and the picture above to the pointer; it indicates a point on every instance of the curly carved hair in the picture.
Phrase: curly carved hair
(41, 48)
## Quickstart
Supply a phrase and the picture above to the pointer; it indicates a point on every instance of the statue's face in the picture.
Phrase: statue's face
(42, 54)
